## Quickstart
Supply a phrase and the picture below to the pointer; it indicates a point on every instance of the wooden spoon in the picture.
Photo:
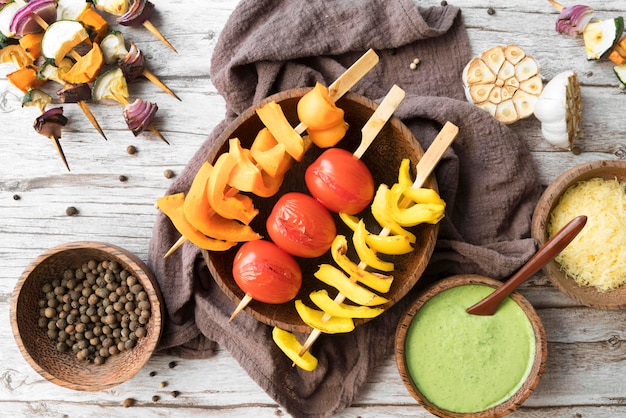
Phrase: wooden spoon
(543, 256)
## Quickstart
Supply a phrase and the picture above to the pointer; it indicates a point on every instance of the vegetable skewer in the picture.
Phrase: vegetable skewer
(424, 168)
(139, 13)
(81, 103)
(336, 90)
(369, 132)
(154, 130)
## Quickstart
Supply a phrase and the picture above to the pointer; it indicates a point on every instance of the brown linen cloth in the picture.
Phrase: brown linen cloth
(487, 178)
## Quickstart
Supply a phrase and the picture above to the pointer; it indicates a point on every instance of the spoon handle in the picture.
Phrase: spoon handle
(543, 256)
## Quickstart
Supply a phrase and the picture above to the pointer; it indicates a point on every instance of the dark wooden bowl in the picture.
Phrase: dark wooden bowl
(588, 296)
(509, 405)
(64, 369)
(383, 158)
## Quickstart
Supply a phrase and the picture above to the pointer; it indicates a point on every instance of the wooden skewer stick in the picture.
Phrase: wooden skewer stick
(154, 79)
(336, 90)
(424, 168)
(154, 130)
(153, 30)
(244, 302)
(57, 145)
(558, 6)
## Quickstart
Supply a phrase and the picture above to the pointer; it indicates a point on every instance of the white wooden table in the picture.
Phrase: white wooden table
(587, 358)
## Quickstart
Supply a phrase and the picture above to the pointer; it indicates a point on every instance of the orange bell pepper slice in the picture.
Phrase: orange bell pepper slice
(172, 207)
(31, 43)
(271, 156)
(201, 215)
(272, 116)
(25, 78)
(247, 177)
(86, 68)
(96, 25)
(317, 110)
(15, 54)
(239, 206)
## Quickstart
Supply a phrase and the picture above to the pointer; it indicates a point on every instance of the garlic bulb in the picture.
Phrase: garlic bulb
(504, 81)
(559, 108)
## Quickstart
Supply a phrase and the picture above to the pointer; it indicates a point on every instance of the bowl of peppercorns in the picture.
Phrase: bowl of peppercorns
(87, 315)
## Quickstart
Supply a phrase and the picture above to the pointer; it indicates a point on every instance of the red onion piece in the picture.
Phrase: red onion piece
(75, 93)
(573, 19)
(139, 12)
(50, 123)
(139, 114)
(133, 63)
(23, 22)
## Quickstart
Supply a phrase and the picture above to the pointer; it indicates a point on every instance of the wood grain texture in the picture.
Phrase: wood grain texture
(585, 367)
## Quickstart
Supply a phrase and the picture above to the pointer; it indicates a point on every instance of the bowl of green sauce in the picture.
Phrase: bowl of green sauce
(460, 365)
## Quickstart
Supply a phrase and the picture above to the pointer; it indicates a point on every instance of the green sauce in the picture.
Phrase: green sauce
(468, 363)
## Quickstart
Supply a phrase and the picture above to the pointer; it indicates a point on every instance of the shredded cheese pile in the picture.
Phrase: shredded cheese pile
(597, 256)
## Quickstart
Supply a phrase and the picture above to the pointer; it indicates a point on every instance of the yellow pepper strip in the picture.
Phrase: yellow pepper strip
(380, 210)
(201, 215)
(334, 277)
(365, 253)
(313, 318)
(404, 176)
(272, 116)
(290, 345)
(246, 176)
(342, 310)
(428, 207)
(388, 244)
(271, 156)
(378, 282)
(239, 206)
(172, 207)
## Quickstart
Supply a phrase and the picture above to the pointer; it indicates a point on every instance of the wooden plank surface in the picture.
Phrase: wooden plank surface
(586, 367)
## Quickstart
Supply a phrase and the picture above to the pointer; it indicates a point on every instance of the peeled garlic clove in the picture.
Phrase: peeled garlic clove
(559, 108)
(493, 80)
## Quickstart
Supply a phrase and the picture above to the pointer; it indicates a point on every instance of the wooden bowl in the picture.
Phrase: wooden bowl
(383, 158)
(64, 369)
(506, 406)
(588, 296)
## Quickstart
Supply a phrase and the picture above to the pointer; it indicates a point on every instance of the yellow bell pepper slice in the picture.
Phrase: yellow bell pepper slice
(428, 206)
(271, 156)
(247, 177)
(313, 318)
(290, 345)
(334, 277)
(341, 310)
(386, 244)
(381, 211)
(365, 253)
(378, 282)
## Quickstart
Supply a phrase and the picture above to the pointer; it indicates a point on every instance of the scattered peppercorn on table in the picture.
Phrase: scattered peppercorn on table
(109, 196)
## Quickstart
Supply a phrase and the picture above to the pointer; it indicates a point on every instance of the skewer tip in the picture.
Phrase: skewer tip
(153, 30)
(244, 302)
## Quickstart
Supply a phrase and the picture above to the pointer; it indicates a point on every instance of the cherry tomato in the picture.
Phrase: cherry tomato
(266, 273)
(301, 225)
(340, 181)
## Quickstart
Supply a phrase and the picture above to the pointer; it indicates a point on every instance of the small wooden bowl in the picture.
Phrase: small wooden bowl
(383, 158)
(507, 406)
(64, 369)
(588, 296)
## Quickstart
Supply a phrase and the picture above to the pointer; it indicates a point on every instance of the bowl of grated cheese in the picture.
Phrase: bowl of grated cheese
(592, 268)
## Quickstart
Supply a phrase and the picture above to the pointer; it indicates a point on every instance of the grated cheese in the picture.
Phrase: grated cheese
(597, 256)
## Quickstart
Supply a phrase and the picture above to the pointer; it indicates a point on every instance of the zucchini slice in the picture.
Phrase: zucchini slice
(6, 16)
(61, 37)
(601, 35)
(109, 85)
(620, 72)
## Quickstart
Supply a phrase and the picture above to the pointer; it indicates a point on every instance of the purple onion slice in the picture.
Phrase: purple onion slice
(132, 64)
(50, 123)
(23, 21)
(139, 114)
(139, 12)
(573, 19)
